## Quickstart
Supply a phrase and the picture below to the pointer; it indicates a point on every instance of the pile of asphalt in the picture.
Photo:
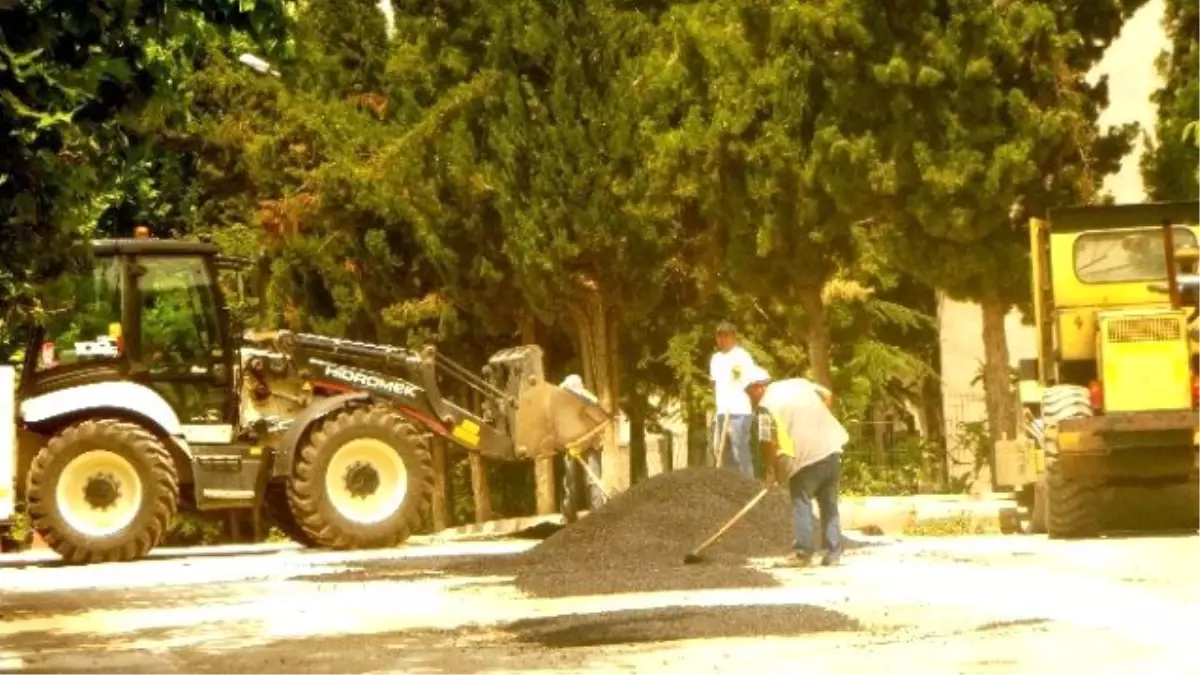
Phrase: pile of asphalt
(637, 541)
(660, 520)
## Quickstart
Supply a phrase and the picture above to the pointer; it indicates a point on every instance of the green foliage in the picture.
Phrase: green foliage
(974, 438)
(810, 171)
(959, 525)
(903, 473)
(1169, 166)
(195, 528)
(1007, 129)
(20, 528)
(70, 73)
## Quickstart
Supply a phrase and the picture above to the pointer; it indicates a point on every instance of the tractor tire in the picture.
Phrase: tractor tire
(361, 480)
(1071, 506)
(102, 491)
(279, 514)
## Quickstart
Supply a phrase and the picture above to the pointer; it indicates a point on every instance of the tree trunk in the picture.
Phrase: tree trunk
(698, 438)
(543, 469)
(934, 418)
(440, 503)
(997, 378)
(595, 325)
(637, 437)
(817, 334)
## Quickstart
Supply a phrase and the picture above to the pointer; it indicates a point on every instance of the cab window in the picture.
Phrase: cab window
(1126, 255)
(181, 333)
(82, 318)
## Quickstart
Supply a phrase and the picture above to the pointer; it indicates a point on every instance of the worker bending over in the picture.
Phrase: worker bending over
(803, 443)
(573, 476)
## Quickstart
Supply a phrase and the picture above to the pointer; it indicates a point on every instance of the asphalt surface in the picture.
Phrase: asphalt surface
(972, 604)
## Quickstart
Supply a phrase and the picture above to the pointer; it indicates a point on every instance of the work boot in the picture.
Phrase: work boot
(830, 561)
(799, 560)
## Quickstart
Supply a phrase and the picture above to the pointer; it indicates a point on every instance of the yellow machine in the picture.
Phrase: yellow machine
(1114, 297)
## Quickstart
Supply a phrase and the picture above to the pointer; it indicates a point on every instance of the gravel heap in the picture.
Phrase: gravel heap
(658, 521)
(637, 541)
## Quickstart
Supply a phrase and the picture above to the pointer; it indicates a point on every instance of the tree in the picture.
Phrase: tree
(986, 118)
(71, 72)
(1169, 166)
(761, 153)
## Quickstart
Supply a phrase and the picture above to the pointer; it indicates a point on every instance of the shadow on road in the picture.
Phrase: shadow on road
(481, 650)
(663, 624)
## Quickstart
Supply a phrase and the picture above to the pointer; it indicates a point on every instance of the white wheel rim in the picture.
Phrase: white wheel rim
(356, 460)
(81, 493)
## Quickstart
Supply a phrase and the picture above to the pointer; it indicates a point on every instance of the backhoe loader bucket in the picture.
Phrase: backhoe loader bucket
(551, 419)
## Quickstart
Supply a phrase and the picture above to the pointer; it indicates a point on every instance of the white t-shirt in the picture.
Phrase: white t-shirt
(727, 370)
(815, 433)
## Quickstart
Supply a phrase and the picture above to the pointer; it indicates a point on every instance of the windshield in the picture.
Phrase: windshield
(180, 327)
(83, 317)
(1125, 256)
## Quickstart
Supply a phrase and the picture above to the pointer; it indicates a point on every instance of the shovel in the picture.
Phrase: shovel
(591, 474)
(694, 556)
(719, 444)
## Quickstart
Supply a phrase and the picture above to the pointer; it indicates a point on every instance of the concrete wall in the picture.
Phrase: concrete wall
(1129, 64)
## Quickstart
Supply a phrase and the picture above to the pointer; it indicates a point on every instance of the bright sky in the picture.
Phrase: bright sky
(1129, 64)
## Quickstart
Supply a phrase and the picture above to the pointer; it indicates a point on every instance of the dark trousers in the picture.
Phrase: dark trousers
(818, 481)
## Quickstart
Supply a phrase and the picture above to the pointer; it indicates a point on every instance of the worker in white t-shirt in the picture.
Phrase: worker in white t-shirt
(798, 429)
(728, 366)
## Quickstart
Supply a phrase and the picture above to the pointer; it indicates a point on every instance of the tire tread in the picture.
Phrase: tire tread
(164, 487)
(305, 489)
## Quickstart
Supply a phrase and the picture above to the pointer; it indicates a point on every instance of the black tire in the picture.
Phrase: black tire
(1071, 508)
(155, 470)
(320, 519)
(279, 514)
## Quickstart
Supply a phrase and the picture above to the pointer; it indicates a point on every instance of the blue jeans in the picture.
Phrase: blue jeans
(737, 450)
(819, 481)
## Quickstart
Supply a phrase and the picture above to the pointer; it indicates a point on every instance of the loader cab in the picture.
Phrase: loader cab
(143, 310)
(1108, 292)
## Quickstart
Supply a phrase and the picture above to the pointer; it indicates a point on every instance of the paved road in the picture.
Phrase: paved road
(978, 605)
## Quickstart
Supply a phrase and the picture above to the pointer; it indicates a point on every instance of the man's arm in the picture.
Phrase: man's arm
(824, 393)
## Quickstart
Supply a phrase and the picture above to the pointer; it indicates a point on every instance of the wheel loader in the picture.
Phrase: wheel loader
(136, 396)
(1115, 308)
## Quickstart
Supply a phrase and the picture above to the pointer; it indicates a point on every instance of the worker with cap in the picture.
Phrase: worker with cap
(733, 410)
(805, 441)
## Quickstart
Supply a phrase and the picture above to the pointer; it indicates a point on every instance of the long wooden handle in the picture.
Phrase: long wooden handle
(720, 445)
(732, 521)
(592, 475)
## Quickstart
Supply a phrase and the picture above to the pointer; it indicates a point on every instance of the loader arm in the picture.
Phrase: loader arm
(523, 416)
